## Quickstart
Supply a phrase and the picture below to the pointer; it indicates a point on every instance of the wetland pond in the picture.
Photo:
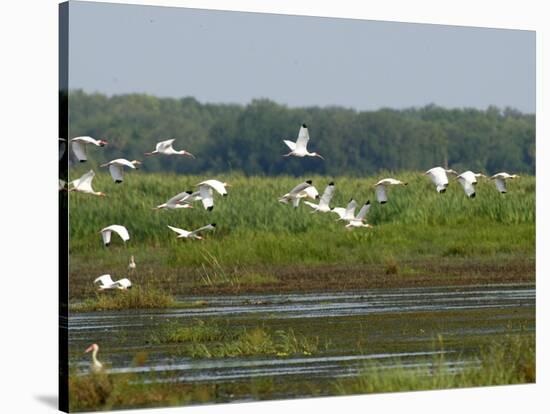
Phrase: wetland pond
(352, 331)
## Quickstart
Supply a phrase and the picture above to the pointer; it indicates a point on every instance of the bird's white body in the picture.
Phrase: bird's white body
(84, 184)
(96, 365)
(79, 146)
(468, 180)
(166, 148)
(323, 206)
(500, 180)
(206, 192)
(299, 148)
(302, 190)
(116, 168)
(107, 283)
(186, 234)
(380, 187)
(438, 175)
(359, 219)
(181, 200)
(114, 228)
(347, 213)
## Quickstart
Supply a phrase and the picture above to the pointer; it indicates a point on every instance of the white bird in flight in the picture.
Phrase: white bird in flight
(299, 148)
(114, 228)
(439, 177)
(302, 190)
(166, 148)
(185, 234)
(500, 180)
(106, 283)
(180, 200)
(468, 180)
(79, 146)
(324, 202)
(116, 168)
(347, 213)
(206, 194)
(96, 365)
(381, 190)
(84, 184)
(359, 220)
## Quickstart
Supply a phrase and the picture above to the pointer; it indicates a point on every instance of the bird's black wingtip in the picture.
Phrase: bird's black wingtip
(309, 181)
(331, 183)
(210, 208)
(118, 181)
(442, 190)
(473, 195)
(82, 160)
(382, 202)
(213, 224)
(107, 244)
(225, 195)
(304, 126)
(367, 203)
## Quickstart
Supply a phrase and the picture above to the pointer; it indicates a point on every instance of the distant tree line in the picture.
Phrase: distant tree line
(249, 139)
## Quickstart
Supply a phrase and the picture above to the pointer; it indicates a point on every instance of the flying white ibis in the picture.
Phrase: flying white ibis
(438, 176)
(106, 283)
(96, 365)
(381, 190)
(180, 200)
(185, 234)
(359, 220)
(206, 195)
(468, 180)
(299, 148)
(166, 148)
(302, 190)
(84, 184)
(114, 228)
(324, 202)
(116, 168)
(79, 146)
(347, 213)
(500, 180)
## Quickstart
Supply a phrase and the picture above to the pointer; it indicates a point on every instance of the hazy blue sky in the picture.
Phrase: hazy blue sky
(219, 56)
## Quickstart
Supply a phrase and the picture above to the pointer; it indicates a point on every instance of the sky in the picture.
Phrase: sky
(234, 57)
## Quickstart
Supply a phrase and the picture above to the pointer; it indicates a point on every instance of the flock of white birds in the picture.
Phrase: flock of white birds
(205, 194)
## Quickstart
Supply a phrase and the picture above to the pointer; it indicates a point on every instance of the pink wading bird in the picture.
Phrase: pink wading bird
(165, 148)
(299, 148)
(96, 365)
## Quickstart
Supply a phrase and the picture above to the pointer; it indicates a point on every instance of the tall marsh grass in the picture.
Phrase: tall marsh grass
(253, 228)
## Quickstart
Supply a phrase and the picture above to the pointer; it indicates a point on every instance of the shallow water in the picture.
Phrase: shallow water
(354, 329)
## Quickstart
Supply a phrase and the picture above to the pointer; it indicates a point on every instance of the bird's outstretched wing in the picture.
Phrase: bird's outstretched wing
(341, 211)
(327, 195)
(116, 173)
(381, 194)
(216, 185)
(303, 138)
(207, 197)
(290, 144)
(79, 150)
(181, 232)
(299, 188)
(162, 145)
(122, 283)
(314, 206)
(211, 226)
(363, 212)
(105, 280)
(350, 209)
(500, 184)
(84, 183)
